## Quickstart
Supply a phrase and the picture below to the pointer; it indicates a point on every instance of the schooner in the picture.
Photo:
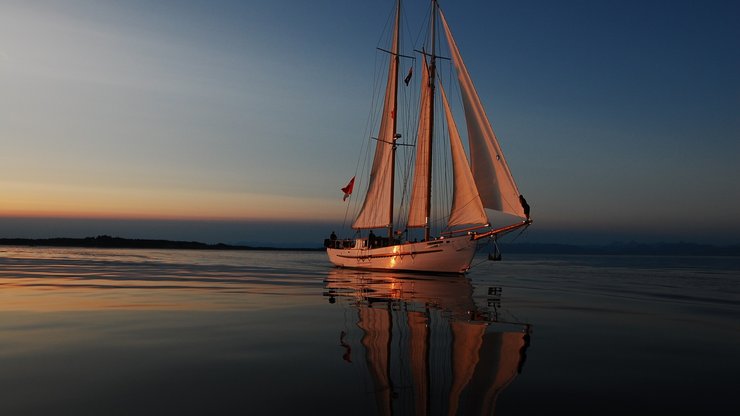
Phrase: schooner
(483, 182)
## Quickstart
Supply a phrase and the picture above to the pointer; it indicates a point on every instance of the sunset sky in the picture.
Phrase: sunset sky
(240, 120)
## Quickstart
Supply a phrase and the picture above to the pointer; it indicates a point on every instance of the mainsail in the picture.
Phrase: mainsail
(492, 176)
(419, 209)
(377, 210)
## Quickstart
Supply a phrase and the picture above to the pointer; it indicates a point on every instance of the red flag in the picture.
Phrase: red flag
(348, 189)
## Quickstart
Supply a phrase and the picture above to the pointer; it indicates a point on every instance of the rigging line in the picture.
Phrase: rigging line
(344, 221)
(407, 25)
(363, 150)
(386, 31)
(424, 30)
(409, 154)
(410, 109)
(479, 263)
(478, 248)
(520, 233)
(401, 212)
(440, 219)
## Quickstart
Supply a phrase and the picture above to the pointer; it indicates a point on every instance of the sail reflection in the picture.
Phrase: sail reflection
(425, 344)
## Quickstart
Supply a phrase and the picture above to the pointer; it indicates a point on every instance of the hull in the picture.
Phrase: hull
(448, 255)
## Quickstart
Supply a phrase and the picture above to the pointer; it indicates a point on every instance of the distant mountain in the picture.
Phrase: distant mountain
(626, 248)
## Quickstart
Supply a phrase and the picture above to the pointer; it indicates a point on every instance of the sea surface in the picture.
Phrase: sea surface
(153, 332)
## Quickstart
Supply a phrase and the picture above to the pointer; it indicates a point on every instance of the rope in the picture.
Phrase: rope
(520, 232)
(477, 249)
(492, 240)
(478, 264)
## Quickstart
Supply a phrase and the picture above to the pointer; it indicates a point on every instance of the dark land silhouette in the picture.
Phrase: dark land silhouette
(617, 248)
(106, 241)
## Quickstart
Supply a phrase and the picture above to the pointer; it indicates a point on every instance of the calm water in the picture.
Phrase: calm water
(107, 332)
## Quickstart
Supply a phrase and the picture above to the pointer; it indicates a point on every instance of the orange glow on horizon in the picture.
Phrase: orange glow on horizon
(45, 201)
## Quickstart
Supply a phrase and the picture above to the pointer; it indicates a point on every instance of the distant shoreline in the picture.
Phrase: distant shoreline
(105, 241)
(631, 248)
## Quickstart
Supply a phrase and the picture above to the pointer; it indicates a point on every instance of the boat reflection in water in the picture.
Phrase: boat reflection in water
(428, 348)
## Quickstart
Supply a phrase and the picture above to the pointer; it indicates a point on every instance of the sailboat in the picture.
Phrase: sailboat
(484, 183)
(423, 346)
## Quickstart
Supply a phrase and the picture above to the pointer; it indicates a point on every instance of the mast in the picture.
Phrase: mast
(432, 78)
(397, 49)
(377, 208)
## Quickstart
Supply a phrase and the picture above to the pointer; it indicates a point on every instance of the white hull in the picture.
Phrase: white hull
(448, 255)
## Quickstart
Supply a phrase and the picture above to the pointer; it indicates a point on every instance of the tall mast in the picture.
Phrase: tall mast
(377, 208)
(396, 50)
(432, 77)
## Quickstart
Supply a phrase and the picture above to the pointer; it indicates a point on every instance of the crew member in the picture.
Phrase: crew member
(525, 206)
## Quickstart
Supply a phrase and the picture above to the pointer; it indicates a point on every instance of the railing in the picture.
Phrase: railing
(339, 244)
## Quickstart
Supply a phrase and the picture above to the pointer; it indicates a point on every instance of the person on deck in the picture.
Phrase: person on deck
(525, 205)
(333, 236)
(371, 239)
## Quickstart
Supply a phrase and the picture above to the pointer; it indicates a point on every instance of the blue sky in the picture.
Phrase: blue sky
(619, 119)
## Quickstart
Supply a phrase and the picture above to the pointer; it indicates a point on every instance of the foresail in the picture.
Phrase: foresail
(492, 176)
(376, 210)
(466, 204)
(418, 209)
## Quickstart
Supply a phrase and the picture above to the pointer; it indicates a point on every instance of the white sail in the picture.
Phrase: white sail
(483, 182)
(466, 204)
(376, 211)
(492, 175)
(418, 209)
